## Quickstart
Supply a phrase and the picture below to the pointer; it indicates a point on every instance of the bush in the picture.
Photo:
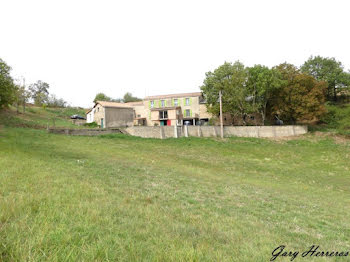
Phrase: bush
(93, 124)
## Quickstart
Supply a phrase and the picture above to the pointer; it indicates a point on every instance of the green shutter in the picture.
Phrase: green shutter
(165, 103)
(190, 100)
(190, 112)
(159, 103)
(184, 101)
(172, 102)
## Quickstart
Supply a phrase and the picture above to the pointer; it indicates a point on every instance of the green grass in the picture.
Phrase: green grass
(122, 198)
(38, 117)
(337, 120)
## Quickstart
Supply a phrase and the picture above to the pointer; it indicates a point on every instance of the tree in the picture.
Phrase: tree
(300, 98)
(329, 70)
(21, 97)
(53, 101)
(261, 84)
(102, 97)
(129, 98)
(231, 80)
(39, 92)
(7, 87)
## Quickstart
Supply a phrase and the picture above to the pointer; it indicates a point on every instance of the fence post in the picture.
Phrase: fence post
(162, 135)
(175, 131)
(186, 130)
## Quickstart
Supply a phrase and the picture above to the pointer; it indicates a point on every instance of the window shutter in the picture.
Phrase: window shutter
(172, 102)
(149, 104)
(165, 103)
(190, 100)
(190, 112)
(159, 103)
(184, 101)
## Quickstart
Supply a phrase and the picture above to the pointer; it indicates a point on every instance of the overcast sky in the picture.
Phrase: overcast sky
(159, 47)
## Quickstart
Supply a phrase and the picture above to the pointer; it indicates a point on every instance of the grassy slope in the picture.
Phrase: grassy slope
(124, 198)
(38, 117)
(337, 120)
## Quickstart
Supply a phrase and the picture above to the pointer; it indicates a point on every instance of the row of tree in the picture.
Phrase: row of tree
(128, 97)
(15, 91)
(292, 93)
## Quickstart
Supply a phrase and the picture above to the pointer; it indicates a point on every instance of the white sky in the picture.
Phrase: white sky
(160, 47)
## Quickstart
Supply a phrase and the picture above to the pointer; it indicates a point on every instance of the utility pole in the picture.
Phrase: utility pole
(221, 123)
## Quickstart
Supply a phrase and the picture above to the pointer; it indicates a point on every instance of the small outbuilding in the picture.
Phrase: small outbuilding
(112, 114)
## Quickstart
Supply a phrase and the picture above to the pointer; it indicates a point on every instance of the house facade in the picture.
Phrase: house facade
(175, 109)
(111, 114)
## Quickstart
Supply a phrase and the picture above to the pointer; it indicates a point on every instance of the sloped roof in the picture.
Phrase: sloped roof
(113, 104)
(173, 96)
(138, 103)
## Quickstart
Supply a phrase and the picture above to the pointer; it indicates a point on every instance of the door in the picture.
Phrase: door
(102, 123)
(169, 123)
(162, 123)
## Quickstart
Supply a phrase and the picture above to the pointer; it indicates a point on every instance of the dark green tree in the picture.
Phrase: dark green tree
(231, 80)
(261, 84)
(39, 92)
(102, 97)
(7, 87)
(129, 98)
(329, 70)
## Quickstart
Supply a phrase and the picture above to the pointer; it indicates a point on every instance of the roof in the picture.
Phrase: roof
(113, 104)
(174, 95)
(88, 111)
(138, 103)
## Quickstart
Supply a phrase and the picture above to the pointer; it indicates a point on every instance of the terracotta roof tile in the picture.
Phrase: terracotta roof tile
(113, 104)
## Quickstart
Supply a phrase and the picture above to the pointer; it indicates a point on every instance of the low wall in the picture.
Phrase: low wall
(83, 132)
(214, 131)
(198, 131)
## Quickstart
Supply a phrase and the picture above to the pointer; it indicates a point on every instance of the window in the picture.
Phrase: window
(163, 114)
(188, 112)
(176, 102)
(187, 101)
(162, 102)
(178, 112)
(152, 104)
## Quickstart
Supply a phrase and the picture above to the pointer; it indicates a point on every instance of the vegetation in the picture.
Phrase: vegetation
(39, 117)
(295, 95)
(128, 97)
(329, 70)
(299, 97)
(7, 87)
(108, 199)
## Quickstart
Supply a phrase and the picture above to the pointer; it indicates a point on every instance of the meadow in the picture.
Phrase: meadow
(122, 198)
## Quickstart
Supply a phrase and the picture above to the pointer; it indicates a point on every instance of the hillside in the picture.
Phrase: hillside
(39, 117)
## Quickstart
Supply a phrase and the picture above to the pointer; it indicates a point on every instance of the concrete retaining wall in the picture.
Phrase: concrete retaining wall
(214, 131)
(198, 131)
(83, 132)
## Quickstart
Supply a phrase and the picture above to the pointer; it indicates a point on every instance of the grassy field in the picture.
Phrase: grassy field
(122, 198)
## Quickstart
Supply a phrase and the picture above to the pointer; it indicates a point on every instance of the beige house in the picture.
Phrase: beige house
(175, 109)
(112, 114)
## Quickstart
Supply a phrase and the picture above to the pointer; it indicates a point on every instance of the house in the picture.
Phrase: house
(112, 114)
(175, 109)
(90, 115)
